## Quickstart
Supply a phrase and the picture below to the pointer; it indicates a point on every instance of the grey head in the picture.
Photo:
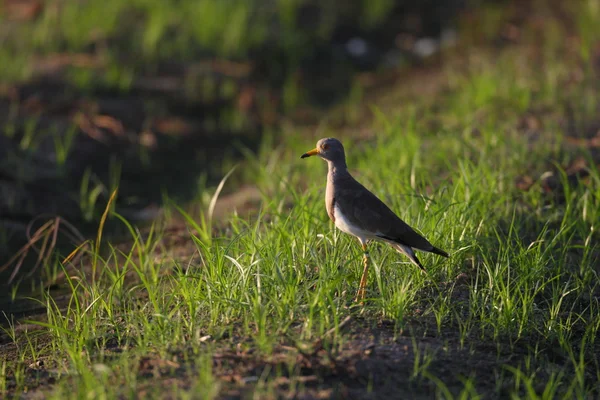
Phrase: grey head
(329, 149)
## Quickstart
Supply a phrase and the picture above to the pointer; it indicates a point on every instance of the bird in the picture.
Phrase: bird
(357, 211)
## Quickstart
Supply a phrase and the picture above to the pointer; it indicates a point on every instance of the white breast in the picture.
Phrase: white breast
(345, 226)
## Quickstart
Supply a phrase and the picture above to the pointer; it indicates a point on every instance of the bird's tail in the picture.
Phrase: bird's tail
(409, 252)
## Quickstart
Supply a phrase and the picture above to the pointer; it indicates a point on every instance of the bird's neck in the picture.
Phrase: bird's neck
(336, 170)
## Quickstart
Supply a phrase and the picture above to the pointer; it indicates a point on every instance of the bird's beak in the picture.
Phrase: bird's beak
(313, 152)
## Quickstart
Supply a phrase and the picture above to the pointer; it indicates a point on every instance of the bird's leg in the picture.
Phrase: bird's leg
(360, 296)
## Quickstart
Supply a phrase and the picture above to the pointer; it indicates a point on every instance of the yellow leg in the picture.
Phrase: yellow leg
(360, 296)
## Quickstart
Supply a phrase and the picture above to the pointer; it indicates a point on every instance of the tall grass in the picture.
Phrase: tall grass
(522, 274)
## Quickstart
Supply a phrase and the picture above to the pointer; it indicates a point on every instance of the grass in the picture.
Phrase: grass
(138, 36)
(519, 297)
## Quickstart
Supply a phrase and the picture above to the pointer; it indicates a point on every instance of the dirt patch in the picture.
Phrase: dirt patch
(369, 360)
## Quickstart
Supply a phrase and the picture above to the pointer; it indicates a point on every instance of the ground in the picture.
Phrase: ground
(242, 288)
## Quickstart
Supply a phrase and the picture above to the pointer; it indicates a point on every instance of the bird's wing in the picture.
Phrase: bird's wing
(363, 208)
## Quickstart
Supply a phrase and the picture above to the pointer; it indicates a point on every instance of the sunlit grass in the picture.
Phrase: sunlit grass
(531, 278)
(522, 274)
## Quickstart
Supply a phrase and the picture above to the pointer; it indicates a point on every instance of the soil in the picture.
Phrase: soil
(372, 359)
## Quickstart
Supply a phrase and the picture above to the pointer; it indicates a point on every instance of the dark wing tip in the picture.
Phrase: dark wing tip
(432, 250)
(440, 252)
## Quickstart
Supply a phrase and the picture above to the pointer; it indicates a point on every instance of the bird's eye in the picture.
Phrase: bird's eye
(324, 146)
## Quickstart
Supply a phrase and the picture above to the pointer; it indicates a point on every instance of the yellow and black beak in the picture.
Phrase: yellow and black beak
(313, 152)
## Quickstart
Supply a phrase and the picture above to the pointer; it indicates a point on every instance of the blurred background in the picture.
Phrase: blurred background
(161, 98)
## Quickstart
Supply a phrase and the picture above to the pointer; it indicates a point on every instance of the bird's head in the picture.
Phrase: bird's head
(329, 149)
